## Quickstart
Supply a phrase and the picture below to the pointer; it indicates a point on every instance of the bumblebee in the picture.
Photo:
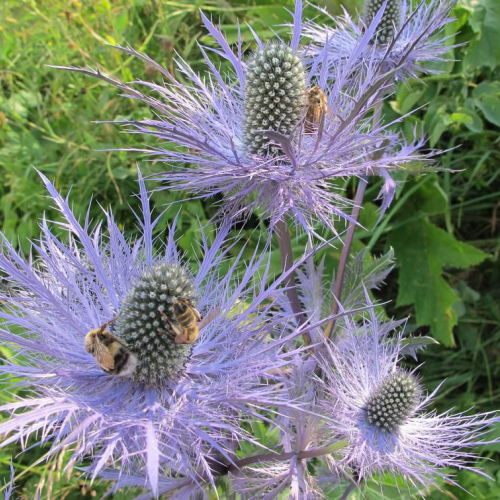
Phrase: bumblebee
(111, 353)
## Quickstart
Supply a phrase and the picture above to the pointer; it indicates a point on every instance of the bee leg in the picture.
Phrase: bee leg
(178, 330)
(196, 314)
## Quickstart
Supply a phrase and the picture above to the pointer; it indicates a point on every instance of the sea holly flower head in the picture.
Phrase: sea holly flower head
(390, 34)
(178, 405)
(275, 96)
(382, 410)
(147, 322)
(249, 136)
(391, 21)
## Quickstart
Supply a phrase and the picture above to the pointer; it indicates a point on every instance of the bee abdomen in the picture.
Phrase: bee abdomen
(185, 318)
(122, 358)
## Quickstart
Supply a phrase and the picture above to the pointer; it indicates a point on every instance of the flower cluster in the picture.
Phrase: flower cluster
(155, 374)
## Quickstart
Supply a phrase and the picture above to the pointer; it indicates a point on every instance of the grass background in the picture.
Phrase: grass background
(444, 227)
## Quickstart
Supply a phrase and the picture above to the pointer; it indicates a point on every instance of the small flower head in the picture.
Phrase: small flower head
(392, 402)
(383, 413)
(275, 90)
(182, 403)
(391, 21)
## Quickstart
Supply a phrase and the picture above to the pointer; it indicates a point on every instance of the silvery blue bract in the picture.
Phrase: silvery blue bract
(379, 37)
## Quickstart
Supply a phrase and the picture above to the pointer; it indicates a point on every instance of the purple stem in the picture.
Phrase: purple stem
(348, 491)
(344, 256)
(285, 244)
(346, 250)
(283, 457)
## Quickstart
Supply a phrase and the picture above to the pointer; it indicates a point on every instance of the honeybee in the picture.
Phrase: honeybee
(111, 353)
(185, 326)
(317, 106)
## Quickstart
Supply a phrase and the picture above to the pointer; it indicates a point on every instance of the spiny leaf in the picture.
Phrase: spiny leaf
(360, 275)
(413, 344)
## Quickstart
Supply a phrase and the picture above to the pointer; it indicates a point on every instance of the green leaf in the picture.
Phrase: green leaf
(486, 88)
(485, 20)
(469, 118)
(490, 106)
(422, 251)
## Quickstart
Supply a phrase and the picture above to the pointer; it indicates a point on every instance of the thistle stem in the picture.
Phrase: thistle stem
(283, 457)
(346, 250)
(285, 245)
(348, 491)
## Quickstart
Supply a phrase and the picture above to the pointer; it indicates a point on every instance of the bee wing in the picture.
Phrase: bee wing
(211, 315)
(330, 113)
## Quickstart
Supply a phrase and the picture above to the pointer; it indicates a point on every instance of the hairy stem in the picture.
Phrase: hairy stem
(346, 250)
(285, 244)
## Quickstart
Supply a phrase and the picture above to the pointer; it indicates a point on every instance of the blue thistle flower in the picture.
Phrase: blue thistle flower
(171, 416)
(391, 34)
(146, 320)
(246, 136)
(275, 96)
(382, 410)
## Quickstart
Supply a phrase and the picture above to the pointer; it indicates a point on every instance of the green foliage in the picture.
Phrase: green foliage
(439, 225)
(423, 250)
(484, 20)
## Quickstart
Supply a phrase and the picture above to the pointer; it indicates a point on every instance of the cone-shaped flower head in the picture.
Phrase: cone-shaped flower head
(147, 320)
(383, 412)
(275, 94)
(391, 20)
(392, 402)
(176, 404)
(391, 35)
(243, 133)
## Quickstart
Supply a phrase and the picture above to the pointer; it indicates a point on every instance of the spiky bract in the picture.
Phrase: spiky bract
(391, 21)
(88, 277)
(206, 117)
(275, 93)
(413, 32)
(145, 322)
